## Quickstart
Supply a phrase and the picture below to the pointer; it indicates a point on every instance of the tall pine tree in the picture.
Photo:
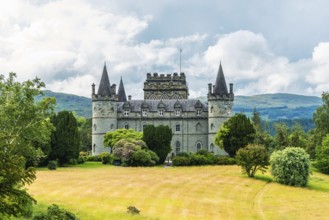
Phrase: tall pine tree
(65, 139)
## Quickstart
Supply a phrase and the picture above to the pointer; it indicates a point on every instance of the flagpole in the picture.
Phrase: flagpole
(180, 60)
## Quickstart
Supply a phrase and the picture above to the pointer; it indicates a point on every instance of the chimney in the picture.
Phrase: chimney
(209, 88)
(231, 88)
(129, 97)
(93, 89)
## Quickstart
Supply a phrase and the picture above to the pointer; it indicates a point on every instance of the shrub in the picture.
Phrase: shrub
(322, 156)
(54, 212)
(95, 158)
(73, 162)
(154, 156)
(197, 160)
(81, 160)
(252, 158)
(52, 165)
(133, 210)
(291, 166)
(225, 160)
(140, 158)
(83, 154)
(106, 158)
(181, 161)
(182, 154)
(202, 152)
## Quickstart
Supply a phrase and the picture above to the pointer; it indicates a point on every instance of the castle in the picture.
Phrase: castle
(194, 123)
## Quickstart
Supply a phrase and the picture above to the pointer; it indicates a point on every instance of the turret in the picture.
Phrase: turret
(121, 92)
(104, 110)
(220, 104)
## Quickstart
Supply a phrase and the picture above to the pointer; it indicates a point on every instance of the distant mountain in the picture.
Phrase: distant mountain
(271, 106)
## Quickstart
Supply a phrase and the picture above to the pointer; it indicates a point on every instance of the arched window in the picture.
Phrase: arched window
(112, 126)
(95, 126)
(211, 148)
(211, 109)
(212, 126)
(198, 146)
(94, 148)
(198, 127)
(177, 147)
(126, 126)
(178, 127)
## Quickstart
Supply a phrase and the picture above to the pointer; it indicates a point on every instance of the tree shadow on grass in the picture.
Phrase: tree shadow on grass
(264, 178)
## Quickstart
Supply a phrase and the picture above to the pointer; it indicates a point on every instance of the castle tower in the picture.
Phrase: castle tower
(121, 92)
(220, 104)
(104, 111)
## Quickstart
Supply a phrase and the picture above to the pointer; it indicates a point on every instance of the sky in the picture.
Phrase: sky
(264, 46)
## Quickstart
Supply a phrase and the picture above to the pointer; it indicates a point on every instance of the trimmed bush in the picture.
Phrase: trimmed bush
(95, 158)
(81, 160)
(52, 165)
(73, 162)
(197, 160)
(106, 158)
(182, 154)
(202, 152)
(225, 160)
(252, 158)
(140, 158)
(291, 166)
(181, 161)
(154, 156)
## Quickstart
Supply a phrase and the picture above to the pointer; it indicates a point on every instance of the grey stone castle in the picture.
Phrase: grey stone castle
(194, 123)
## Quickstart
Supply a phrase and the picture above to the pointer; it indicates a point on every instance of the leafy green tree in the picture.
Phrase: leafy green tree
(24, 124)
(112, 137)
(311, 143)
(235, 133)
(298, 137)
(321, 119)
(85, 134)
(256, 119)
(252, 158)
(158, 139)
(281, 137)
(322, 156)
(291, 166)
(65, 140)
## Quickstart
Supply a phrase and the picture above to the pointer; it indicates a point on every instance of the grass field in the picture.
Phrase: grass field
(96, 191)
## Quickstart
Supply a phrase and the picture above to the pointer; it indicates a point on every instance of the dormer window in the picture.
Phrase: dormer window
(144, 112)
(177, 112)
(161, 112)
(126, 113)
(198, 112)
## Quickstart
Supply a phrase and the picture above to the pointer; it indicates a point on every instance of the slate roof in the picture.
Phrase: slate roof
(104, 88)
(187, 105)
(121, 92)
(220, 86)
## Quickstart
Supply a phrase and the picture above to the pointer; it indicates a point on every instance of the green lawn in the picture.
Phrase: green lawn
(96, 191)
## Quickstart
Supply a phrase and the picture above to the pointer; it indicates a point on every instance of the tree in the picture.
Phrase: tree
(235, 133)
(158, 139)
(291, 166)
(85, 134)
(297, 137)
(255, 118)
(112, 137)
(65, 141)
(252, 158)
(322, 156)
(321, 119)
(24, 124)
(281, 137)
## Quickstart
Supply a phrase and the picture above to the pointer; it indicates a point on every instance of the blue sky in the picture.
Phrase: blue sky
(265, 46)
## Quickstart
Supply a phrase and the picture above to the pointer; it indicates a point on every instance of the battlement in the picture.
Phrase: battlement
(165, 78)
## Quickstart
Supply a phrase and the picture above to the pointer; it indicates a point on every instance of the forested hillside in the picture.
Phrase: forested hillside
(272, 107)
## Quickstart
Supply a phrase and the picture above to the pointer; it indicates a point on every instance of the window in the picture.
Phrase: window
(198, 112)
(126, 113)
(112, 126)
(212, 126)
(126, 126)
(211, 109)
(198, 127)
(144, 112)
(178, 127)
(95, 126)
(94, 148)
(161, 112)
(144, 126)
(177, 112)
(198, 146)
(211, 148)
(177, 147)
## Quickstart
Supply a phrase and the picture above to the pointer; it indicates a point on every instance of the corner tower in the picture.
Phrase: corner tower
(104, 111)
(220, 106)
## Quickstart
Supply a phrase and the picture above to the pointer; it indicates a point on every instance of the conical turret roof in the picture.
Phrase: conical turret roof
(121, 92)
(104, 86)
(220, 86)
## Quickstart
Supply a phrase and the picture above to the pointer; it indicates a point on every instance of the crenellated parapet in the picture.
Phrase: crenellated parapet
(161, 86)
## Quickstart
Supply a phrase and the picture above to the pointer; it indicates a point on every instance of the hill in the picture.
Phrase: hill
(271, 106)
